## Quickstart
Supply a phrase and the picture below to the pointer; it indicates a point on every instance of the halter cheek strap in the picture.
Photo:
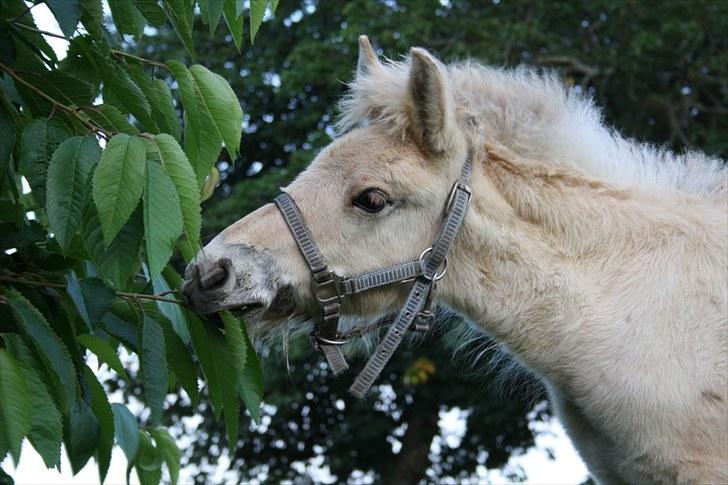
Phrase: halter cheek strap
(329, 288)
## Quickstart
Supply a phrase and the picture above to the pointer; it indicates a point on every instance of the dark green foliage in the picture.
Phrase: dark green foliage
(87, 246)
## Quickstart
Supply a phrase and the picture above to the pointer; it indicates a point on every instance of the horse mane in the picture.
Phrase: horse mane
(535, 115)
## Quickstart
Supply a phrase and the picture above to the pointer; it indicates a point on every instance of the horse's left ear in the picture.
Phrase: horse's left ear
(432, 108)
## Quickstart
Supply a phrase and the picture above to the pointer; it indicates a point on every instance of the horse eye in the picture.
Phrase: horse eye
(371, 200)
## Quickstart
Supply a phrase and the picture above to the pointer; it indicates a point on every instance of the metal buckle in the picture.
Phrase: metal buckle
(329, 279)
(322, 340)
(437, 277)
(458, 186)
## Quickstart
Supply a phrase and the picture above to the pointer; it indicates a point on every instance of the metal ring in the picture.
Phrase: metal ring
(331, 342)
(437, 277)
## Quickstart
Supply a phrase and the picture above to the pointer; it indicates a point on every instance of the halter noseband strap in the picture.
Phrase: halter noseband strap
(330, 288)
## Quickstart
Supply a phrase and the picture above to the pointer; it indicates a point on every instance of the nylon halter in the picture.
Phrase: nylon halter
(330, 288)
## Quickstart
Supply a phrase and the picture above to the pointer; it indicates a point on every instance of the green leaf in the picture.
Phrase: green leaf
(175, 164)
(181, 16)
(15, 413)
(149, 461)
(49, 346)
(92, 18)
(58, 85)
(126, 430)
(227, 378)
(172, 311)
(257, 12)
(204, 352)
(202, 144)
(91, 297)
(68, 173)
(211, 183)
(153, 367)
(40, 139)
(81, 435)
(120, 261)
(152, 12)
(273, 6)
(222, 104)
(171, 455)
(104, 416)
(235, 340)
(120, 89)
(127, 18)
(162, 217)
(251, 385)
(179, 360)
(67, 13)
(118, 182)
(46, 432)
(235, 20)
(110, 119)
(160, 100)
(105, 353)
(211, 11)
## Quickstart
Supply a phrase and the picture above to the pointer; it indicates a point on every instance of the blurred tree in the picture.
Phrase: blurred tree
(660, 71)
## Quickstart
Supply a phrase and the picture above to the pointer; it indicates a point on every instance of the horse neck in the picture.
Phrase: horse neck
(535, 246)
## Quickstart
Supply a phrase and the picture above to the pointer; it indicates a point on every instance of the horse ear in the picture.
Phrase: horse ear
(368, 60)
(432, 108)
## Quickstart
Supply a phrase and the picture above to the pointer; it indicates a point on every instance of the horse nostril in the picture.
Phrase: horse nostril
(216, 276)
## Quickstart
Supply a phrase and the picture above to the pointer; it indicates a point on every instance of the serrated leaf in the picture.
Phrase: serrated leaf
(162, 217)
(211, 183)
(273, 6)
(126, 17)
(104, 417)
(40, 139)
(181, 16)
(152, 12)
(167, 447)
(118, 182)
(222, 104)
(179, 360)
(68, 175)
(257, 12)
(81, 435)
(8, 117)
(180, 171)
(235, 20)
(49, 346)
(227, 378)
(202, 145)
(91, 297)
(153, 367)
(15, 414)
(92, 18)
(149, 461)
(120, 88)
(172, 311)
(126, 431)
(235, 340)
(105, 353)
(67, 13)
(211, 11)
(203, 350)
(58, 85)
(110, 119)
(120, 261)
(160, 101)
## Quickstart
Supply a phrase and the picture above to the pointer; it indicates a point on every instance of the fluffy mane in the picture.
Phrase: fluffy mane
(538, 117)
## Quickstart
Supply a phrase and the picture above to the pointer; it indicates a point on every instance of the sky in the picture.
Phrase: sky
(567, 468)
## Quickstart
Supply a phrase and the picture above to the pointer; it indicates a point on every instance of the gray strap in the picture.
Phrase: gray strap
(454, 215)
(304, 239)
(335, 358)
(381, 277)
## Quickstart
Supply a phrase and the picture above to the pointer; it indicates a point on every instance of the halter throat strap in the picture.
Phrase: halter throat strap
(329, 288)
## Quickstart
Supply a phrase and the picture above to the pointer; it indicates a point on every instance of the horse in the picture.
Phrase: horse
(600, 263)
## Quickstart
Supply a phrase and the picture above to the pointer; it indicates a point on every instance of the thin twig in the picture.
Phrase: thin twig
(43, 32)
(137, 58)
(62, 286)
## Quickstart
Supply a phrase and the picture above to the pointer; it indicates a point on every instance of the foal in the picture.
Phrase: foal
(601, 264)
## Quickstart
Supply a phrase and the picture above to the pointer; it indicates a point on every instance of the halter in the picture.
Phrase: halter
(330, 289)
